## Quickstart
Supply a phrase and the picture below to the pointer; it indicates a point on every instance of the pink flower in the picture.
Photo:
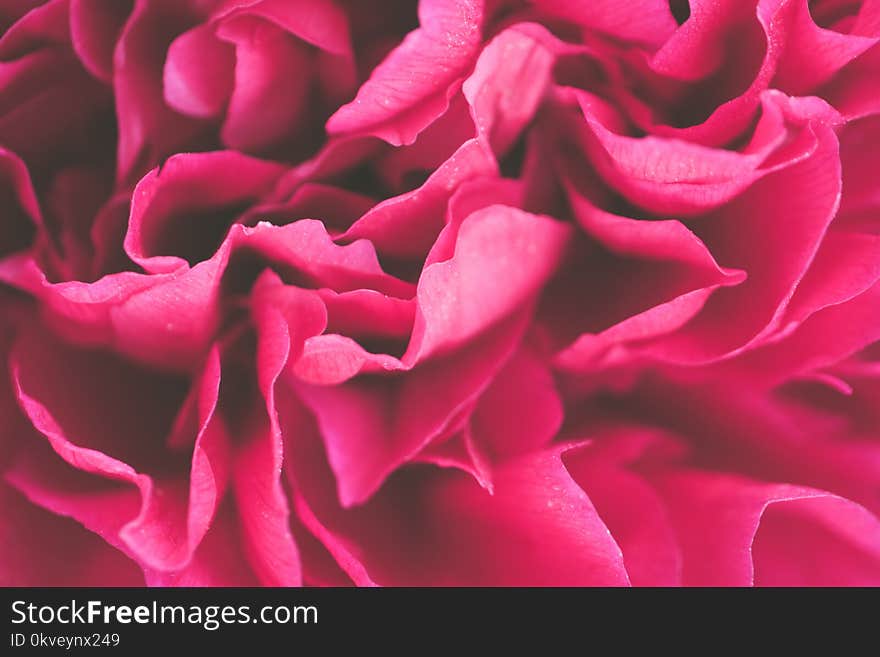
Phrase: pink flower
(446, 293)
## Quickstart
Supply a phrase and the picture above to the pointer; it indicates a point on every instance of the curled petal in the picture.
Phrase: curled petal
(458, 298)
(175, 510)
(537, 528)
(412, 87)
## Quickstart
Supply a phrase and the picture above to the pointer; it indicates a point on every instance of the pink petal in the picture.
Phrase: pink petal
(336, 208)
(29, 538)
(591, 352)
(284, 317)
(646, 22)
(162, 320)
(318, 565)
(818, 541)
(520, 412)
(460, 452)
(867, 21)
(743, 233)
(813, 55)
(312, 485)
(538, 528)
(46, 24)
(181, 208)
(107, 236)
(408, 225)
(218, 561)
(716, 517)
(371, 425)
(50, 107)
(149, 130)
(306, 246)
(507, 84)
(431, 149)
(859, 159)
(375, 319)
(175, 514)
(198, 74)
(699, 34)
(273, 73)
(263, 510)
(459, 298)
(471, 196)
(320, 23)
(824, 338)
(71, 202)
(678, 275)
(169, 319)
(671, 176)
(846, 265)
(95, 26)
(21, 217)
(635, 514)
(735, 56)
(412, 87)
(812, 441)
(662, 240)
(331, 358)
(855, 90)
(333, 159)
(368, 314)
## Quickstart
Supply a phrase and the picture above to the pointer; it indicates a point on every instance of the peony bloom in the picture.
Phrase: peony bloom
(448, 292)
